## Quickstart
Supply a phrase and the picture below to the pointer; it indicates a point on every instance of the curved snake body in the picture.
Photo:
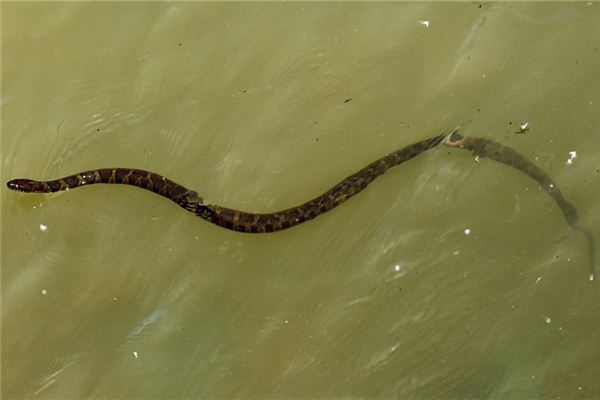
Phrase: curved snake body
(242, 221)
(229, 218)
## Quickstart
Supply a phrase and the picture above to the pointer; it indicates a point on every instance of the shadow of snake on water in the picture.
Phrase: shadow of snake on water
(242, 221)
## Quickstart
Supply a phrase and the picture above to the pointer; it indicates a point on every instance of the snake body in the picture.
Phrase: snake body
(482, 147)
(242, 221)
(235, 220)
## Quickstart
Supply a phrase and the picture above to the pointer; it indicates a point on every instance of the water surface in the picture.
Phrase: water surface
(449, 277)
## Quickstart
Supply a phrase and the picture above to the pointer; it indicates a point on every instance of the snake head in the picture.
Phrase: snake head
(454, 139)
(21, 185)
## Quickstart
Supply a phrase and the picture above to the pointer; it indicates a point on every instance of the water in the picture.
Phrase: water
(447, 278)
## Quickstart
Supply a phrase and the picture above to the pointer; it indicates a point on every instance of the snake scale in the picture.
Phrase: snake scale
(242, 221)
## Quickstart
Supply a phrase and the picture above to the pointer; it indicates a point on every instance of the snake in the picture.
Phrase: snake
(229, 218)
(251, 222)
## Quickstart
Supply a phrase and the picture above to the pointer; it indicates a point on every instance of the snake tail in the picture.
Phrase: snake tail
(505, 155)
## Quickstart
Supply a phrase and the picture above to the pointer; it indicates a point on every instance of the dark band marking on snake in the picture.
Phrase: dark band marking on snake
(488, 148)
(229, 218)
(242, 221)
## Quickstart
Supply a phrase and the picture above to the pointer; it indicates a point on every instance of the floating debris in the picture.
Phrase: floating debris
(523, 127)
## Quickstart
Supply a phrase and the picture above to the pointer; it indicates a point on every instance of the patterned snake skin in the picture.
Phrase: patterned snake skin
(242, 221)
(228, 218)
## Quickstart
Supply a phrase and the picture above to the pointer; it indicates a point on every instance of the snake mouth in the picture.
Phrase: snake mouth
(454, 139)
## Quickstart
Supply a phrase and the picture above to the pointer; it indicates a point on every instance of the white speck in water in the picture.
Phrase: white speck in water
(397, 267)
(44, 292)
(548, 320)
(523, 127)
(467, 231)
(135, 354)
(43, 227)
(476, 158)
(551, 185)
(115, 298)
(286, 321)
(591, 277)
(456, 252)
(572, 156)
(424, 23)
(539, 278)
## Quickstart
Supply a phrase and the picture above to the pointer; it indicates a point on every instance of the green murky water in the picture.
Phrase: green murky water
(447, 278)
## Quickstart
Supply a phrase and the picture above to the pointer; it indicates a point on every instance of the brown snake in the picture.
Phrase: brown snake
(242, 221)
(228, 218)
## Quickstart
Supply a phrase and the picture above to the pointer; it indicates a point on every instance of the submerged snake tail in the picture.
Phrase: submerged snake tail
(503, 154)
